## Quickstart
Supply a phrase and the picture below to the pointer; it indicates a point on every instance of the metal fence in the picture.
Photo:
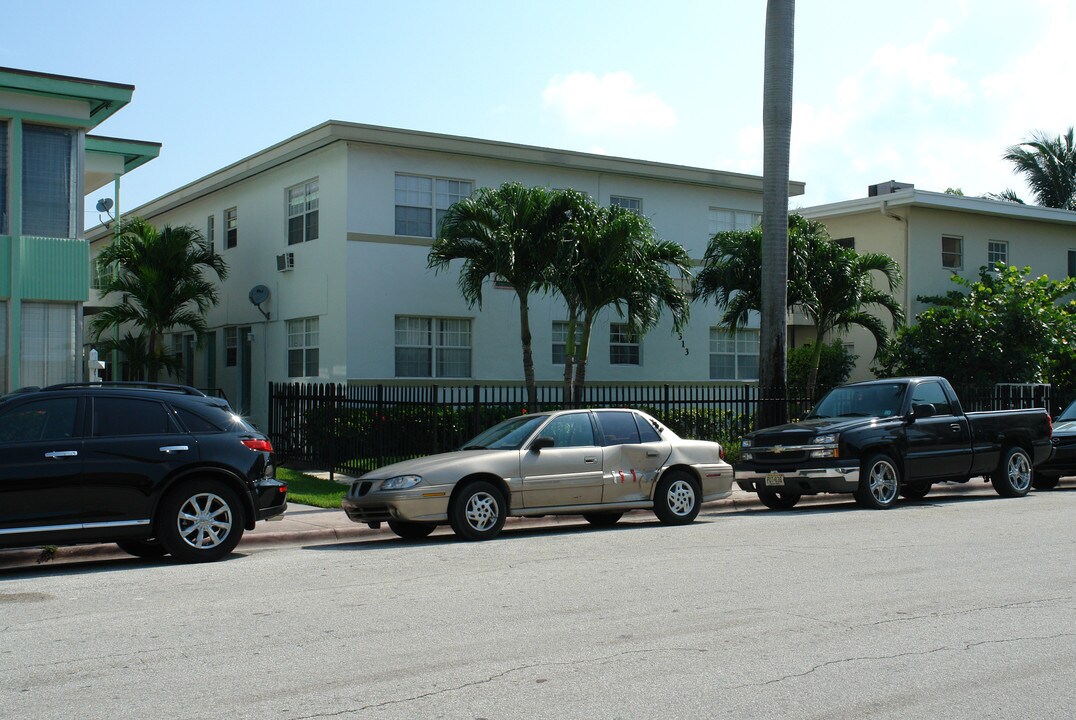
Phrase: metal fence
(355, 428)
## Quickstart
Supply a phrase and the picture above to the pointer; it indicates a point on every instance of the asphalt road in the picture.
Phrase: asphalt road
(961, 606)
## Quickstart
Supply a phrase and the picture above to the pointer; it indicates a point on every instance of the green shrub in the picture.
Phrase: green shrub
(834, 367)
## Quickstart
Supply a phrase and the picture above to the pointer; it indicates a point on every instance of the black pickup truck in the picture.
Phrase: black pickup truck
(885, 438)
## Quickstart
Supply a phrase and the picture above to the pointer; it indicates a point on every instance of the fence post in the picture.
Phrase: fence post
(332, 432)
(475, 393)
(380, 405)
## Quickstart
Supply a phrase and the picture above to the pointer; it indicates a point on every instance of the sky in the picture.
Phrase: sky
(930, 92)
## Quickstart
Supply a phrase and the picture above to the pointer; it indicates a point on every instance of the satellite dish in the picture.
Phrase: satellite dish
(258, 294)
(104, 204)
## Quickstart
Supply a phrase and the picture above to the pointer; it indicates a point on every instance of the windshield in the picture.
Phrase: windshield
(507, 435)
(1069, 414)
(881, 400)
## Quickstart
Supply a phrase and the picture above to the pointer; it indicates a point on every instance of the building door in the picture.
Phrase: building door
(244, 369)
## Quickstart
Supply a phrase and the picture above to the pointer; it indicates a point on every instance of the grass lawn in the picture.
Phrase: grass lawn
(307, 490)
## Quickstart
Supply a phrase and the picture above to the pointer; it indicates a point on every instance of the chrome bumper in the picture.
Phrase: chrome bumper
(828, 479)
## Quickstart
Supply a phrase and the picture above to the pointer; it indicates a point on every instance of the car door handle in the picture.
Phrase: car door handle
(651, 453)
(174, 448)
(590, 460)
(61, 454)
(955, 427)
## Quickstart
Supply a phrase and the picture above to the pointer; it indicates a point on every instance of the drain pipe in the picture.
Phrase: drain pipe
(907, 254)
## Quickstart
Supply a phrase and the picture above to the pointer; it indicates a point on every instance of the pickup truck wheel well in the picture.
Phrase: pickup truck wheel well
(888, 451)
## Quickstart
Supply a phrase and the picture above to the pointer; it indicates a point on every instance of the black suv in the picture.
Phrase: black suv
(158, 469)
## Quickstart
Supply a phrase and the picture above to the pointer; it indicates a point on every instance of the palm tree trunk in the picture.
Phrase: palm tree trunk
(816, 359)
(583, 351)
(528, 356)
(777, 134)
(569, 361)
(153, 360)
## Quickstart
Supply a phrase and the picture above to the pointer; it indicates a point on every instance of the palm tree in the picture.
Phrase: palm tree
(161, 275)
(776, 140)
(511, 232)
(832, 285)
(1049, 168)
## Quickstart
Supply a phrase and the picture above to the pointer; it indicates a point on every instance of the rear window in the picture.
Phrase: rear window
(618, 428)
(115, 416)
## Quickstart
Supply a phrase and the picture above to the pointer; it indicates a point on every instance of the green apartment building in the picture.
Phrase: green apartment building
(48, 163)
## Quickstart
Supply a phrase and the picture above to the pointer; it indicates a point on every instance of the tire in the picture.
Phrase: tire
(1013, 475)
(478, 511)
(677, 498)
(915, 491)
(200, 521)
(879, 483)
(778, 501)
(142, 548)
(603, 519)
(411, 530)
(1045, 482)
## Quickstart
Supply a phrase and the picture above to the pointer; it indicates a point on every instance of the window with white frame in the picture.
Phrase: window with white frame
(560, 340)
(3, 178)
(734, 356)
(231, 227)
(997, 251)
(421, 202)
(727, 220)
(211, 232)
(48, 179)
(952, 252)
(99, 274)
(303, 352)
(628, 203)
(231, 346)
(303, 212)
(433, 347)
(623, 345)
(48, 343)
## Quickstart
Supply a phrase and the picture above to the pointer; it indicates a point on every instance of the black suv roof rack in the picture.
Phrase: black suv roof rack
(130, 384)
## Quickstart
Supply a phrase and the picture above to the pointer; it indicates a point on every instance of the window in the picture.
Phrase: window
(231, 346)
(211, 232)
(114, 417)
(433, 347)
(99, 275)
(1072, 263)
(952, 252)
(733, 356)
(420, 201)
(48, 176)
(628, 203)
(623, 345)
(932, 392)
(574, 430)
(724, 220)
(997, 251)
(647, 432)
(303, 212)
(231, 228)
(3, 178)
(560, 340)
(303, 354)
(52, 419)
(848, 242)
(618, 427)
(48, 343)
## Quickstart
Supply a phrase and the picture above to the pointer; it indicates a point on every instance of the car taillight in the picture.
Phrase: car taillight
(721, 451)
(263, 445)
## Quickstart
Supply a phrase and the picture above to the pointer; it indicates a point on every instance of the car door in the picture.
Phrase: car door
(569, 472)
(634, 454)
(940, 445)
(134, 445)
(41, 488)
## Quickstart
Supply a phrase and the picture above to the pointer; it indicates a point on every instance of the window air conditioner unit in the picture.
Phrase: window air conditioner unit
(285, 262)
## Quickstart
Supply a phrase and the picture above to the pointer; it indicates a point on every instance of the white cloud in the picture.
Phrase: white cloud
(611, 104)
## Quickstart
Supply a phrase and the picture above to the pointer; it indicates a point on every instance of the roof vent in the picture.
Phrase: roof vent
(887, 188)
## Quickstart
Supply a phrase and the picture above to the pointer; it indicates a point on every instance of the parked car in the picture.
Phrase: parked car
(594, 463)
(885, 438)
(1063, 460)
(158, 469)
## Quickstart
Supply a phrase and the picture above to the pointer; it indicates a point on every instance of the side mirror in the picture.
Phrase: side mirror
(923, 410)
(542, 441)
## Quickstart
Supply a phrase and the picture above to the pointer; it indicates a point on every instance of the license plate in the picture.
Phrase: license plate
(775, 479)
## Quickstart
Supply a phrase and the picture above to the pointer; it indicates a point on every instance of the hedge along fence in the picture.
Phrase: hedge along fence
(355, 428)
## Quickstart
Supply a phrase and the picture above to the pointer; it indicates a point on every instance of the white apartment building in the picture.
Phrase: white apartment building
(329, 232)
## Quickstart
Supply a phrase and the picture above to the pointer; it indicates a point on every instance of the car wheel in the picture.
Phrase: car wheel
(603, 519)
(478, 511)
(1045, 482)
(879, 483)
(411, 530)
(915, 491)
(1013, 475)
(677, 498)
(200, 521)
(778, 501)
(142, 548)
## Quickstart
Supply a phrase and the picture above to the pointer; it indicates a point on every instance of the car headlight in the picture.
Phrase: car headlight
(747, 456)
(746, 442)
(829, 439)
(401, 482)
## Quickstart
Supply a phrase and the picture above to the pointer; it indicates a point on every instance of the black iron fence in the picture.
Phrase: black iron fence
(355, 428)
